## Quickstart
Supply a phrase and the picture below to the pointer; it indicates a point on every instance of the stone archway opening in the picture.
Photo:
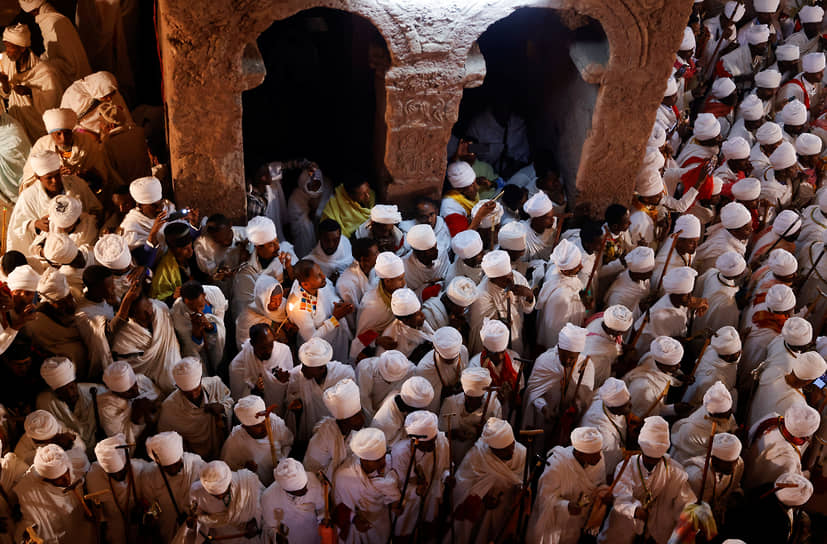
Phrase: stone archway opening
(319, 97)
(543, 69)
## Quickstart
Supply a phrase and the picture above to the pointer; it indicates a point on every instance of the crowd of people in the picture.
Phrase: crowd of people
(492, 367)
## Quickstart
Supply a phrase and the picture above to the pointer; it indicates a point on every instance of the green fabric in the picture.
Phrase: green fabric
(15, 146)
(167, 278)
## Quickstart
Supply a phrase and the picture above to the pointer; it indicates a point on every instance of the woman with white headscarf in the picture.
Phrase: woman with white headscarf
(268, 293)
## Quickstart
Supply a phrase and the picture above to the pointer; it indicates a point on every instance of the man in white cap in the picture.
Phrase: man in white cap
(42, 428)
(560, 301)
(199, 409)
(607, 414)
(363, 488)
(451, 307)
(690, 435)
(604, 340)
(261, 367)
(668, 114)
(358, 278)
(633, 285)
(116, 480)
(375, 313)
(806, 87)
(30, 215)
(784, 351)
(704, 144)
(47, 502)
(130, 404)
(573, 479)
(646, 219)
(511, 239)
(777, 180)
(112, 251)
(783, 234)
(416, 393)
(741, 63)
(143, 223)
(754, 107)
(669, 316)
(736, 165)
(180, 470)
(765, 325)
(68, 401)
(780, 387)
(293, 504)
(30, 85)
(769, 136)
(411, 334)
(723, 481)
(460, 199)
(307, 383)
(251, 444)
(788, 57)
(540, 227)
(426, 267)
(747, 191)
(488, 483)
(656, 373)
(468, 250)
(685, 62)
(443, 365)
(66, 216)
(775, 512)
(500, 361)
(383, 227)
(430, 465)
(718, 364)
(502, 290)
(813, 221)
(808, 147)
(732, 235)
(780, 268)
(721, 102)
(807, 39)
(723, 34)
(329, 446)
(381, 376)
(649, 498)
(719, 286)
(426, 212)
(227, 503)
(465, 413)
(794, 117)
(683, 245)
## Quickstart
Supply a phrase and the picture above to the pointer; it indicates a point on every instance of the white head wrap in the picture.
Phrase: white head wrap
(654, 437)
(119, 376)
(146, 190)
(51, 462)
(18, 34)
(726, 341)
(460, 174)
(649, 182)
(780, 298)
(671, 87)
(369, 444)
(797, 331)
(421, 237)
(783, 157)
(538, 205)
(812, 63)
(758, 34)
(614, 393)
(53, 285)
(752, 109)
(689, 226)
(417, 392)
(566, 255)
(497, 433)
(658, 136)
(41, 425)
(112, 251)
(587, 440)
(794, 496)
(746, 189)
(59, 248)
(466, 244)
(717, 399)
(64, 211)
(801, 420)
(57, 372)
(44, 162)
(794, 113)
(290, 474)
(23, 278)
(261, 230)
(726, 446)
(247, 410)
(735, 215)
(490, 219)
(766, 79)
(572, 338)
(462, 291)
(111, 458)
(706, 127)
(315, 351)
(404, 302)
(494, 335)
(688, 42)
(389, 266)
(448, 342)
(216, 477)
(168, 447)
(342, 399)
(735, 148)
(786, 223)
(734, 10)
(512, 236)
(722, 87)
(496, 264)
(59, 119)
(187, 373)
(807, 144)
(809, 366)
(385, 214)
(100, 84)
(811, 14)
(422, 423)
(618, 318)
(680, 280)
(769, 133)
(474, 380)
(392, 365)
(641, 259)
(787, 53)
(781, 262)
(666, 350)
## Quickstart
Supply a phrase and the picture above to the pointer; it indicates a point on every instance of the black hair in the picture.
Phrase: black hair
(590, 231)
(360, 247)
(329, 225)
(615, 213)
(302, 269)
(95, 275)
(513, 195)
(191, 290)
(353, 181)
(258, 330)
(216, 221)
(177, 234)
(11, 260)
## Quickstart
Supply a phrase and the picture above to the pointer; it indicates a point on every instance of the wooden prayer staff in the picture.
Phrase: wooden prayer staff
(598, 509)
(701, 355)
(697, 517)
(766, 254)
(266, 415)
(491, 390)
(813, 268)
(327, 531)
(511, 527)
(3, 233)
(73, 488)
(414, 438)
(559, 227)
(449, 502)
(675, 236)
(169, 489)
(597, 260)
(566, 416)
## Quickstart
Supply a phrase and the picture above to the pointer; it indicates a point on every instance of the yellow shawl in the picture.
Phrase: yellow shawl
(346, 211)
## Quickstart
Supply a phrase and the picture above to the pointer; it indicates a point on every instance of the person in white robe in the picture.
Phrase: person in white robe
(293, 504)
(249, 443)
(12, 469)
(62, 44)
(782, 235)
(560, 300)
(201, 308)
(451, 307)
(468, 249)
(779, 387)
(332, 252)
(141, 225)
(381, 376)
(363, 488)
(67, 400)
(651, 493)
(46, 502)
(488, 483)
(690, 435)
(180, 470)
(573, 480)
(261, 367)
(426, 211)
(130, 403)
(269, 308)
(112, 251)
(813, 221)
(719, 286)
(443, 366)
(358, 278)
(809, 294)
(502, 363)
(330, 444)
(305, 206)
(383, 227)
(90, 98)
(409, 332)
(765, 325)
(199, 409)
(732, 235)
(723, 482)
(719, 363)
(683, 245)
(66, 216)
(228, 503)
(669, 316)
(607, 413)
(777, 179)
(314, 307)
(220, 250)
(42, 428)
(540, 227)
(426, 267)
(656, 373)
(415, 394)
(375, 312)
(604, 341)
(306, 384)
(633, 285)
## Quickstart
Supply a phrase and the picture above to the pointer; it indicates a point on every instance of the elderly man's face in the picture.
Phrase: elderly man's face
(13, 51)
(52, 183)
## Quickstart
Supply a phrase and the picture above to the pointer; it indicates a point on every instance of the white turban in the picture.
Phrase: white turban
(671, 87)
(216, 477)
(653, 159)
(787, 53)
(717, 399)
(666, 350)
(474, 380)
(731, 264)
(389, 266)
(821, 200)
(342, 399)
(496, 264)
(316, 351)
(769, 133)
(112, 251)
(490, 219)
(735, 215)
(59, 248)
(423, 424)
(404, 302)
(812, 63)
(783, 157)
(767, 79)
(801, 420)
(247, 410)
(59, 119)
(187, 373)
(641, 259)
(566, 255)
(726, 446)
(722, 87)
(758, 34)
(23, 278)
(53, 285)
(119, 376)
(786, 223)
(811, 14)
(747, 189)
(587, 440)
(538, 205)
(809, 366)
(421, 237)
(797, 331)
(688, 225)
(41, 425)
(466, 244)
(752, 109)
(146, 190)
(497, 433)
(780, 298)
(735, 148)
(614, 393)
(717, 185)
(385, 214)
(100, 84)
(18, 34)
(572, 338)
(658, 136)
(794, 113)
(369, 444)
(512, 236)
(726, 341)
(462, 291)
(649, 182)
(688, 42)
(494, 335)
(807, 144)
(734, 10)
(654, 437)
(392, 365)
(64, 211)
(57, 372)
(618, 318)
(706, 127)
(793, 496)
(448, 342)
(460, 174)
(680, 280)
(51, 462)
(261, 230)
(168, 447)
(781, 262)
(417, 392)
(290, 474)
(111, 458)
(44, 162)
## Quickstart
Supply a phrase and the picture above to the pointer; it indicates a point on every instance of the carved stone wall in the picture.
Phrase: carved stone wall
(210, 57)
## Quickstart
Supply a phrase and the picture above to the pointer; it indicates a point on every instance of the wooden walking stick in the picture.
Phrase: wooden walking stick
(597, 261)
(675, 236)
(327, 530)
(414, 438)
(697, 517)
(492, 389)
(598, 508)
(701, 354)
(169, 488)
(813, 268)
(266, 415)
